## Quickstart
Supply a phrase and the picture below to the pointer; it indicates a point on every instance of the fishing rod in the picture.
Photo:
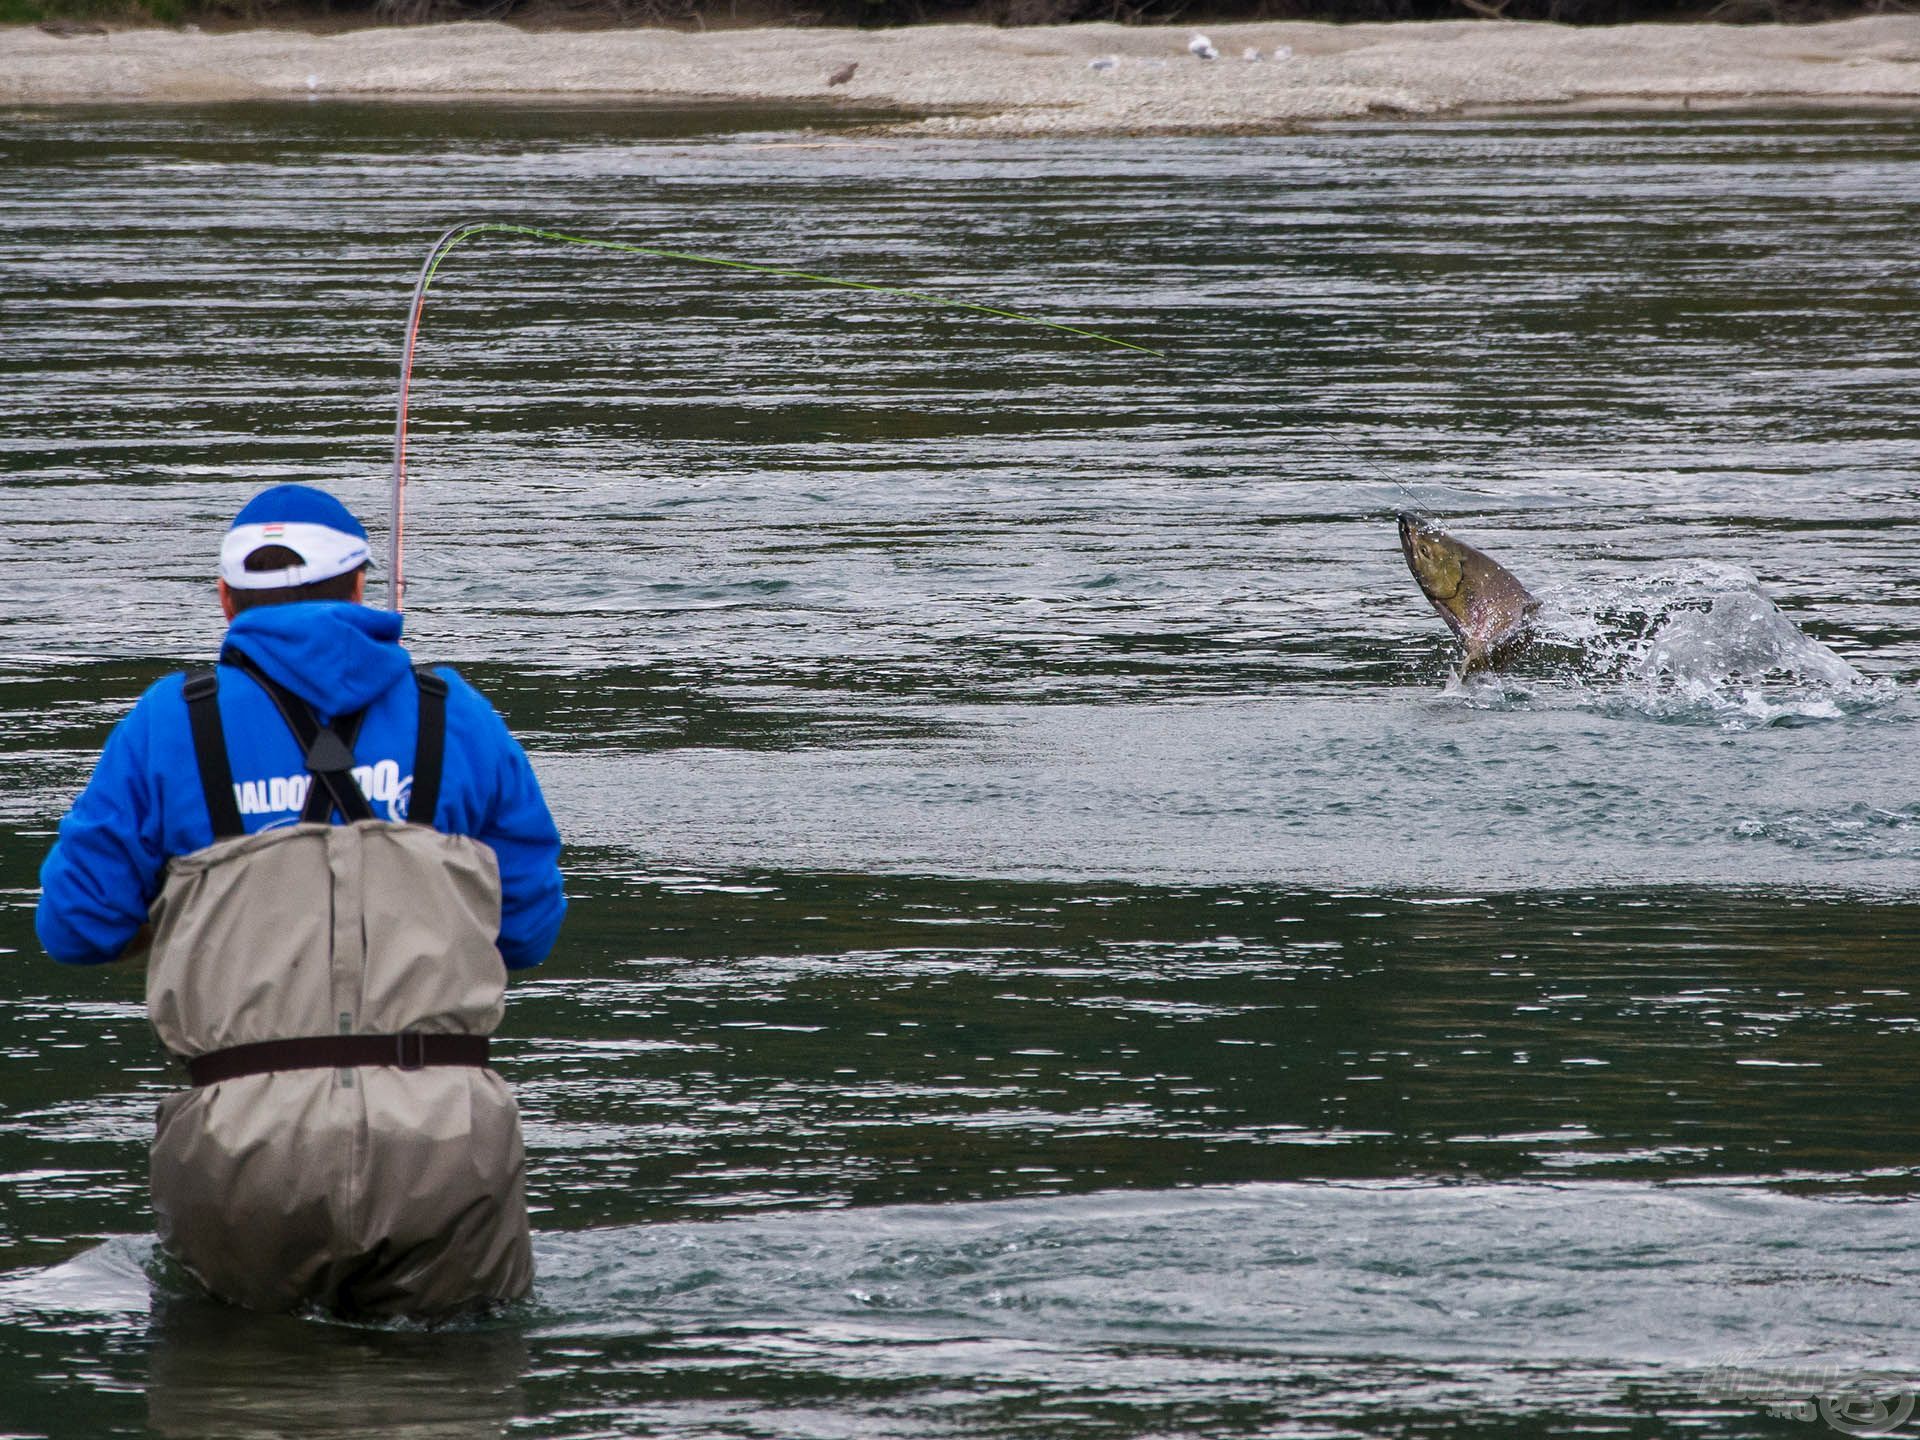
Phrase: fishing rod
(396, 584)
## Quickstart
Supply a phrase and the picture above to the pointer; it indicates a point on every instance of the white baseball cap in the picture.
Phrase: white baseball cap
(309, 522)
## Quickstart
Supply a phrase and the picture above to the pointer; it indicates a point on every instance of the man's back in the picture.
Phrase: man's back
(145, 806)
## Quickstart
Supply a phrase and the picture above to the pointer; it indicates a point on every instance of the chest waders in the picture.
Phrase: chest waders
(331, 988)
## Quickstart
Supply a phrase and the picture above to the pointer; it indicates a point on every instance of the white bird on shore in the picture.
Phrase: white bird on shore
(1105, 62)
(1202, 47)
(1251, 55)
(1282, 52)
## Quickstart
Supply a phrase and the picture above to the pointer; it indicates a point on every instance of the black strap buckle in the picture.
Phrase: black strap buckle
(329, 748)
(410, 1049)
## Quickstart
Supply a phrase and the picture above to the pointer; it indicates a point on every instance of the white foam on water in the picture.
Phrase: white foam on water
(108, 1281)
(1701, 643)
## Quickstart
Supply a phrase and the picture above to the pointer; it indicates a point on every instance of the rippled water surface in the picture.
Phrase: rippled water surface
(1055, 951)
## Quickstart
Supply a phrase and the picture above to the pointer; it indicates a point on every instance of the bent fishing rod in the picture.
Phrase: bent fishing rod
(396, 541)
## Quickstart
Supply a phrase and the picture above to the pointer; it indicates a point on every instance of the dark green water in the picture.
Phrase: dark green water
(1052, 952)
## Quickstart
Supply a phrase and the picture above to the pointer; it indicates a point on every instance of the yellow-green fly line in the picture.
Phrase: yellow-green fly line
(396, 585)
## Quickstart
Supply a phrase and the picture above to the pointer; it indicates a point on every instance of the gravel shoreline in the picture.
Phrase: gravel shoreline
(975, 80)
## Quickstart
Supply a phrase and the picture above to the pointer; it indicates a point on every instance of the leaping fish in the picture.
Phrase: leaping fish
(1481, 602)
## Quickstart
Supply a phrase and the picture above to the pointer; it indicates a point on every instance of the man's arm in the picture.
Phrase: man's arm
(511, 818)
(527, 844)
(105, 866)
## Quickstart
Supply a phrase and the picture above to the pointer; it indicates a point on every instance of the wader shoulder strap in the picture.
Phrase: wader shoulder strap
(210, 750)
(430, 749)
(329, 748)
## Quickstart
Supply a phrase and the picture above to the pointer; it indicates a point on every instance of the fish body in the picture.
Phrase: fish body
(1479, 598)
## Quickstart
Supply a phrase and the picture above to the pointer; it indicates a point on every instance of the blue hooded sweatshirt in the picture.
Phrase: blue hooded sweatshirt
(144, 804)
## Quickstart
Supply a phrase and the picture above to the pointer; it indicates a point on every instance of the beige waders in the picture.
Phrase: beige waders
(330, 986)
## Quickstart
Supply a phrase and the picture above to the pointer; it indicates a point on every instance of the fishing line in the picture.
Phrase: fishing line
(1419, 505)
(396, 585)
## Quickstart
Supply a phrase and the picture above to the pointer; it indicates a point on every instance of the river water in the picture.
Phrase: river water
(1054, 952)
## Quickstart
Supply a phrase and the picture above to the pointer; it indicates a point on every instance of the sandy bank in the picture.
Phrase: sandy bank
(976, 80)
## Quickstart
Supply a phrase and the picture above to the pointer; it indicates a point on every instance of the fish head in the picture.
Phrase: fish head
(1435, 559)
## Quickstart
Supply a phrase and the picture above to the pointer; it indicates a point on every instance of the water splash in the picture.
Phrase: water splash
(1742, 636)
(1704, 644)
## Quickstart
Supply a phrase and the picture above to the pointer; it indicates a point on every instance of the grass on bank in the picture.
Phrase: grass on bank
(115, 12)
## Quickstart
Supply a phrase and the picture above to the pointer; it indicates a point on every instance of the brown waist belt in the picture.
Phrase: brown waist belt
(409, 1050)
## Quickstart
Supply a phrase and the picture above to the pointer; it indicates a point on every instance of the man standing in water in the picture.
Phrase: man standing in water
(334, 859)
